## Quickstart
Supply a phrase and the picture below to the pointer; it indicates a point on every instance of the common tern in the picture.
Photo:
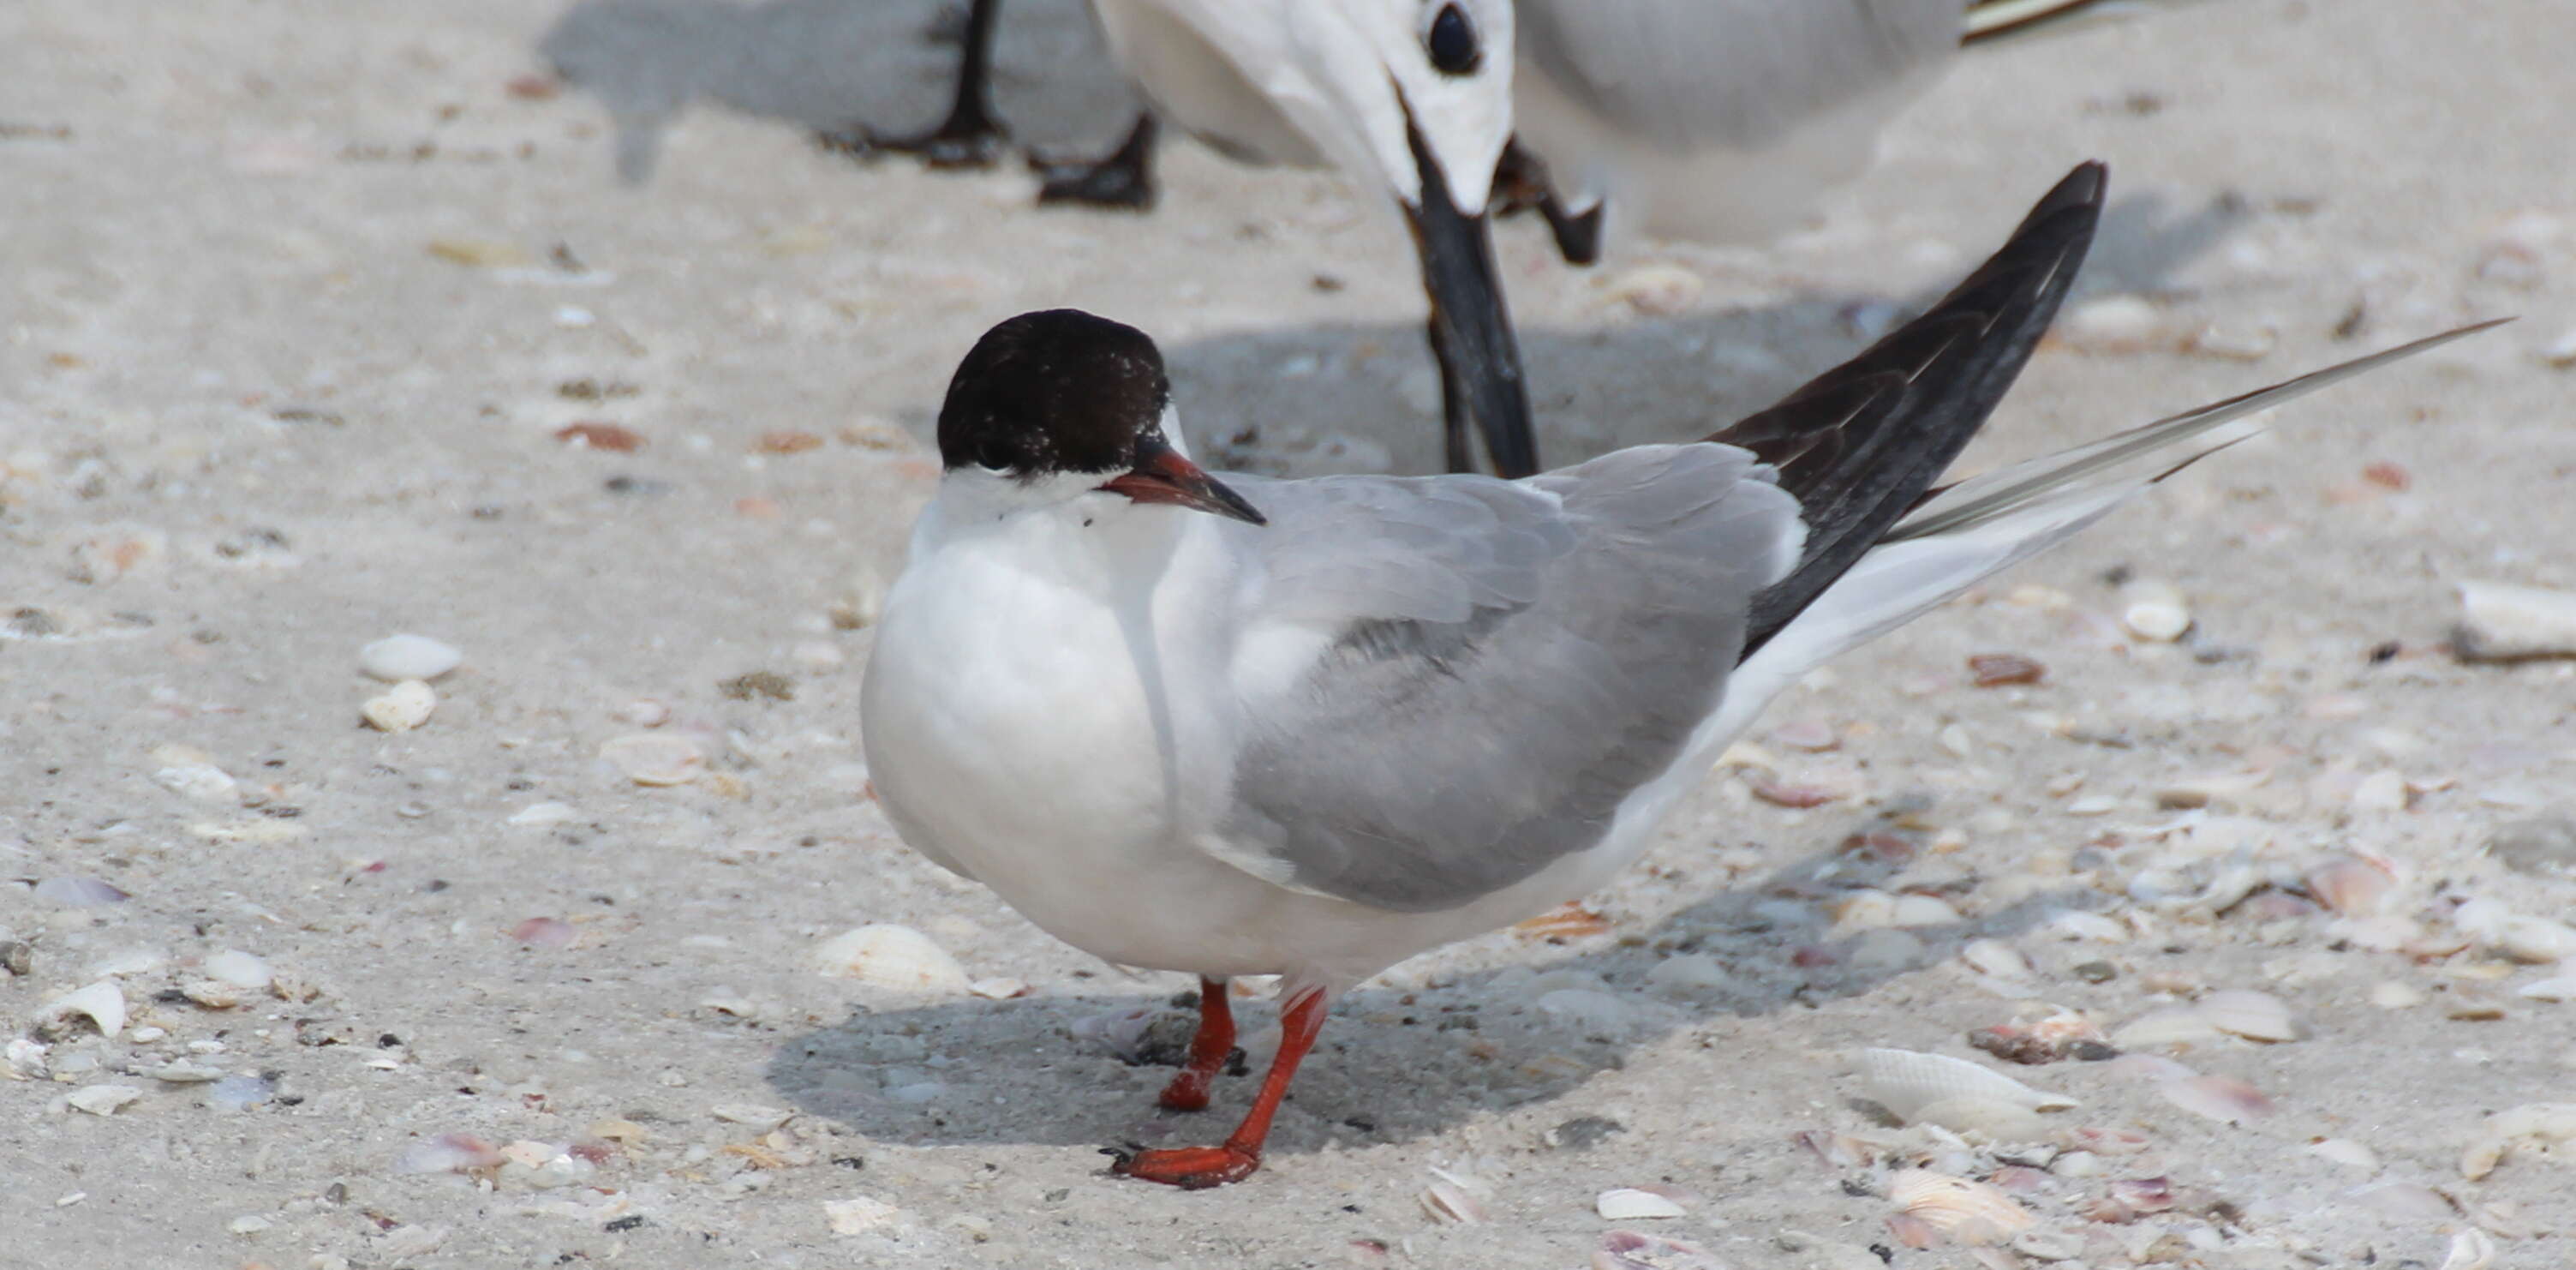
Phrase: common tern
(1711, 120)
(1239, 726)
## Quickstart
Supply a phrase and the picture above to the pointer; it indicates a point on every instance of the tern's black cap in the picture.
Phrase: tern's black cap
(1054, 391)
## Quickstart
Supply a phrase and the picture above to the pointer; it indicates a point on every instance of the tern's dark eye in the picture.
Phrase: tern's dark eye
(1452, 42)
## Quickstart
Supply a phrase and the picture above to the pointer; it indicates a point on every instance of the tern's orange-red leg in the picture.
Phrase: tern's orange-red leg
(1210, 1047)
(1196, 1168)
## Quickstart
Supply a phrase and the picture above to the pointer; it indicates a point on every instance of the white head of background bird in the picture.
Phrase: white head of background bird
(1413, 84)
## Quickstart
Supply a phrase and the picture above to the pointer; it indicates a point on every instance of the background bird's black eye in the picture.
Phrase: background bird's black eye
(1452, 43)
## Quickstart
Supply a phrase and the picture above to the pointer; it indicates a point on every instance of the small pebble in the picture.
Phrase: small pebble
(860, 1215)
(401, 708)
(1995, 670)
(2114, 324)
(396, 658)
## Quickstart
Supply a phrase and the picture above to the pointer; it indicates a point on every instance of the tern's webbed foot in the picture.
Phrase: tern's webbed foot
(1124, 181)
(1190, 1168)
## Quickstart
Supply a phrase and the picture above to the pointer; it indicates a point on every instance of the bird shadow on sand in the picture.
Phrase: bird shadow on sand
(1394, 1064)
(819, 65)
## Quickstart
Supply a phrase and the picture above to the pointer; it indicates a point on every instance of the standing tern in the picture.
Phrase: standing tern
(1239, 726)
(1713, 120)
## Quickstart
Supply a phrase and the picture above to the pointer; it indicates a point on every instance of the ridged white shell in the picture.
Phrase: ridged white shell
(891, 956)
(2256, 1016)
(1908, 1083)
(1968, 1212)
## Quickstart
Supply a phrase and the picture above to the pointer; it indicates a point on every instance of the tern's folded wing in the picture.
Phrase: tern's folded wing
(1450, 683)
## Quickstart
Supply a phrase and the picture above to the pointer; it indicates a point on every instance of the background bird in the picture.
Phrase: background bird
(1710, 120)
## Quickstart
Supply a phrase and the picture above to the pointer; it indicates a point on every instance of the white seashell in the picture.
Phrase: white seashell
(2471, 1249)
(2114, 324)
(890, 956)
(2500, 622)
(102, 1100)
(2347, 1152)
(1657, 290)
(1449, 1204)
(401, 708)
(202, 781)
(396, 658)
(2000, 967)
(1923, 910)
(645, 712)
(1969, 1212)
(2482, 918)
(2536, 939)
(2351, 886)
(2220, 1098)
(655, 758)
(999, 989)
(860, 1215)
(2080, 924)
(2235, 343)
(2482, 1155)
(1865, 910)
(2559, 987)
(1998, 1121)
(2256, 1016)
(2165, 1026)
(541, 815)
(1630, 1204)
(2550, 1122)
(240, 969)
(2154, 611)
(2404, 1201)
(758, 1117)
(102, 1003)
(1906, 1082)
(25, 1059)
(2076, 1164)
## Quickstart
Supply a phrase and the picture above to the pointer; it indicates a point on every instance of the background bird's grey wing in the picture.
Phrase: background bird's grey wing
(1499, 665)
(1716, 120)
(1686, 75)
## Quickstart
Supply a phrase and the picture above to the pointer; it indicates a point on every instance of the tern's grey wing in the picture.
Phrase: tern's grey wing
(1486, 670)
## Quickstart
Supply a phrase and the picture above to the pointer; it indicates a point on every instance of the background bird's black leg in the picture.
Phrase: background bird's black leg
(973, 135)
(1123, 180)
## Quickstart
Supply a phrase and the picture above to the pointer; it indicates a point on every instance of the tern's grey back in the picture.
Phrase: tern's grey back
(1508, 667)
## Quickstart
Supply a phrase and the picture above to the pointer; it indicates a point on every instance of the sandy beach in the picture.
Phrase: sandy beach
(323, 323)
